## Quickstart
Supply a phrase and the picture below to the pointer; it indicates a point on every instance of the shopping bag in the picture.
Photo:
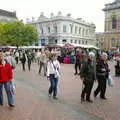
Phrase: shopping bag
(13, 87)
(110, 81)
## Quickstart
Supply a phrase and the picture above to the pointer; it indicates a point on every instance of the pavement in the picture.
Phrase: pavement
(32, 101)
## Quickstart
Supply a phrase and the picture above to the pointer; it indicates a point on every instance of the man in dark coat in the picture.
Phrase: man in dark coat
(87, 74)
(29, 58)
(77, 62)
(102, 72)
(23, 60)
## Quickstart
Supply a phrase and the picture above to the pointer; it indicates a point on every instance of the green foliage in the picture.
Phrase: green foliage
(18, 34)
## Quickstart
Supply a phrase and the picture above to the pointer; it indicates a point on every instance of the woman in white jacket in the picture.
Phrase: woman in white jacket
(53, 73)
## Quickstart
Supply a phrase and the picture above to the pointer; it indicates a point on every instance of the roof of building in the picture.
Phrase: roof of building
(112, 6)
(7, 13)
(59, 17)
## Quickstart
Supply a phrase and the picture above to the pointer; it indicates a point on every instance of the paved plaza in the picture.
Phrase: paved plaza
(33, 103)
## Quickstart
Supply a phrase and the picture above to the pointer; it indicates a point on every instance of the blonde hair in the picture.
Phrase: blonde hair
(104, 54)
(1, 57)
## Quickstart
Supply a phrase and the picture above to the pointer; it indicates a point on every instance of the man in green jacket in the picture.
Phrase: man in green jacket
(87, 75)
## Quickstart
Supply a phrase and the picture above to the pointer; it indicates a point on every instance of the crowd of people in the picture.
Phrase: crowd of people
(88, 65)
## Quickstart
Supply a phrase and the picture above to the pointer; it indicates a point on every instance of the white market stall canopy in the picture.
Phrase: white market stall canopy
(79, 45)
(31, 47)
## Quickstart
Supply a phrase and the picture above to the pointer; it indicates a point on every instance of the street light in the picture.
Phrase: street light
(118, 44)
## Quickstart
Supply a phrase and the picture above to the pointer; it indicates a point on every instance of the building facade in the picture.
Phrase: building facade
(63, 29)
(110, 38)
(7, 16)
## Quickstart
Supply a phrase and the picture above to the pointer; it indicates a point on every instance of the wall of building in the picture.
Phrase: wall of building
(110, 39)
(82, 33)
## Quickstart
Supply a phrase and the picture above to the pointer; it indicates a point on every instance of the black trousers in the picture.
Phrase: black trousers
(86, 91)
(23, 66)
(77, 66)
(101, 86)
(29, 64)
(16, 58)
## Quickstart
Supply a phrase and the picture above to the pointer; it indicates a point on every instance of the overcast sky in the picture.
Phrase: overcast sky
(89, 10)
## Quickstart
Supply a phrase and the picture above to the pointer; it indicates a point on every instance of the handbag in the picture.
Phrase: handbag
(12, 87)
(56, 71)
(110, 81)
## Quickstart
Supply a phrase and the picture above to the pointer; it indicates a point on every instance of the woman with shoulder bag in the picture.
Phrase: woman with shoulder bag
(53, 69)
(6, 75)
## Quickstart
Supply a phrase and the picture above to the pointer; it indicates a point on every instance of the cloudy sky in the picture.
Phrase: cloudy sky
(89, 10)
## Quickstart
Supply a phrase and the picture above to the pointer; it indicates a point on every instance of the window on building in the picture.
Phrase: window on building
(48, 29)
(83, 32)
(56, 41)
(64, 28)
(64, 41)
(71, 41)
(71, 28)
(79, 30)
(113, 42)
(114, 22)
(75, 29)
(42, 31)
(83, 42)
(86, 42)
(87, 32)
(79, 41)
(55, 29)
(76, 41)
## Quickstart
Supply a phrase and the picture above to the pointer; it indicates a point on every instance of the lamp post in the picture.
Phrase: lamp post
(118, 45)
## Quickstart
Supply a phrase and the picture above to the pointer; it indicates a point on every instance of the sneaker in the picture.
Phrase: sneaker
(11, 105)
(90, 101)
(55, 98)
(1, 104)
(49, 95)
(103, 98)
(75, 73)
(82, 100)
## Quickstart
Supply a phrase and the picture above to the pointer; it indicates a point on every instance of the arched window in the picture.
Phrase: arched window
(114, 22)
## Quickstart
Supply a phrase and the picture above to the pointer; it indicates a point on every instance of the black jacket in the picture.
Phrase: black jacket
(101, 64)
(88, 71)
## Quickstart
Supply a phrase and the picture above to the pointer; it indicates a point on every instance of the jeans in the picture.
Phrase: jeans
(7, 86)
(53, 86)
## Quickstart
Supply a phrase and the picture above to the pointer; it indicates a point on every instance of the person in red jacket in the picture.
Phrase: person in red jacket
(6, 75)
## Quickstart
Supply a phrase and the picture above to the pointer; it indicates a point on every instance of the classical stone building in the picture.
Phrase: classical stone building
(7, 16)
(63, 29)
(110, 38)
